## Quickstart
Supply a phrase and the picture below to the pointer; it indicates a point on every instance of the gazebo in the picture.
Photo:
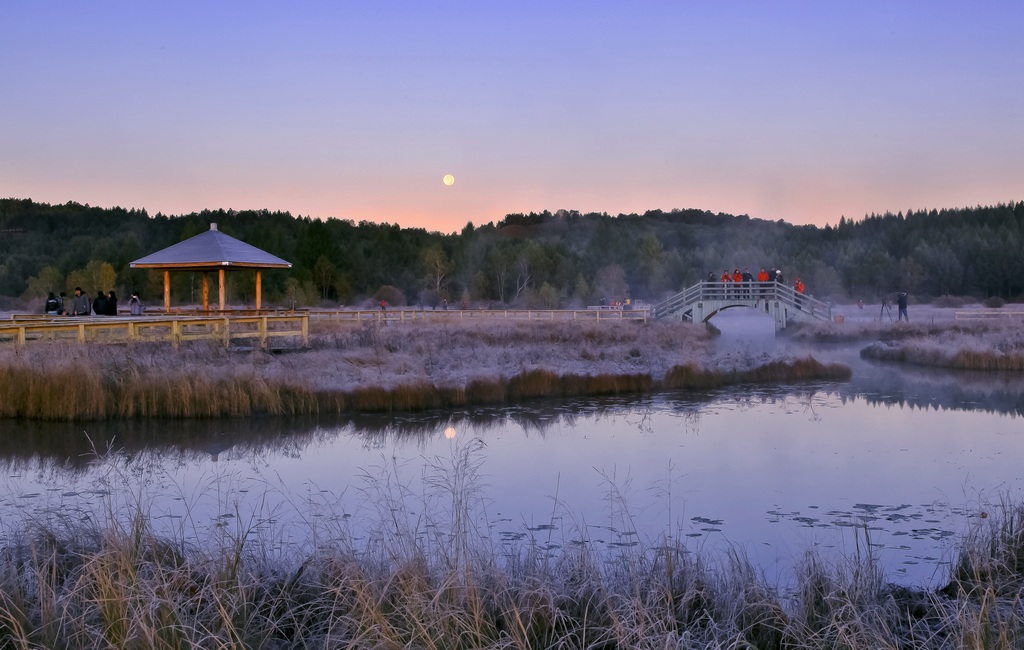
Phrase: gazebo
(207, 252)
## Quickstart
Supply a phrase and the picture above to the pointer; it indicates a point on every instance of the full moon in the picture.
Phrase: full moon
(448, 179)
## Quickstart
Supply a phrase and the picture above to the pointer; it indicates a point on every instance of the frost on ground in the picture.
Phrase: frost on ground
(937, 340)
(346, 357)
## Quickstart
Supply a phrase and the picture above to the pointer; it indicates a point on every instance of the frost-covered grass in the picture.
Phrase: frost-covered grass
(373, 367)
(979, 346)
(941, 343)
(436, 580)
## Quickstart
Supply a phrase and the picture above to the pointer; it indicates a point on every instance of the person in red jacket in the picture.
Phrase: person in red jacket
(798, 286)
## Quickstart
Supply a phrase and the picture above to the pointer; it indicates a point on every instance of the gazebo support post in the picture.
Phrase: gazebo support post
(259, 289)
(220, 287)
(206, 291)
(167, 291)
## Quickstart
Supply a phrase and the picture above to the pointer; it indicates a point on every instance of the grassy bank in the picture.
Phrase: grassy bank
(964, 354)
(374, 368)
(118, 584)
(946, 344)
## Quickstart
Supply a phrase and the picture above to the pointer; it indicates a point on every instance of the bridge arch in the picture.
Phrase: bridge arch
(723, 308)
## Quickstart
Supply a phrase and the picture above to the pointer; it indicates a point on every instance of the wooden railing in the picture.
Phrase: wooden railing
(970, 314)
(232, 326)
(173, 329)
(415, 315)
(743, 293)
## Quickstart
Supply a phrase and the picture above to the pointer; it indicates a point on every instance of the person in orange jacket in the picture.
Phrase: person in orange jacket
(798, 286)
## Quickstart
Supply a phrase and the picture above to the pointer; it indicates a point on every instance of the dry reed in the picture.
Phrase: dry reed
(373, 369)
(120, 585)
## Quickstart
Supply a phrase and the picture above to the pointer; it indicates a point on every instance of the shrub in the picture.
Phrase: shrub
(950, 301)
(389, 294)
(995, 302)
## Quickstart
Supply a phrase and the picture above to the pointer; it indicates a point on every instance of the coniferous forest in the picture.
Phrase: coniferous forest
(536, 260)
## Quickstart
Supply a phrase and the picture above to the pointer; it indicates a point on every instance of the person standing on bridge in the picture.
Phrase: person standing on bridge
(135, 304)
(798, 287)
(52, 306)
(111, 306)
(725, 280)
(762, 283)
(99, 304)
(748, 281)
(80, 305)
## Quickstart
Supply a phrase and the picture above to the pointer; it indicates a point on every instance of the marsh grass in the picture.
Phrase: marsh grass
(988, 346)
(375, 368)
(960, 354)
(691, 376)
(89, 385)
(436, 580)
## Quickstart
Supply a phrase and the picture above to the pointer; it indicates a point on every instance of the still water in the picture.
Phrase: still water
(902, 460)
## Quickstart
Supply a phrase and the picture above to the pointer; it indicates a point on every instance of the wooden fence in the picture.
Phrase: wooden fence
(971, 314)
(228, 327)
(416, 315)
(24, 329)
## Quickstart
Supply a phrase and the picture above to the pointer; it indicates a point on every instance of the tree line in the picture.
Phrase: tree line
(538, 260)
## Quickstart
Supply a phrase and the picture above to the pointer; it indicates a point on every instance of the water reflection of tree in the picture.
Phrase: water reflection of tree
(75, 446)
(938, 389)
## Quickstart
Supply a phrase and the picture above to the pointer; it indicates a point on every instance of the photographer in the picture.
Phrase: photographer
(901, 302)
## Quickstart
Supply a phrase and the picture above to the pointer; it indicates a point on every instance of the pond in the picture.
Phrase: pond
(900, 460)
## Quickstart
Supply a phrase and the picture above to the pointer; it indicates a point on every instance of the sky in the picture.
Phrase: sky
(801, 111)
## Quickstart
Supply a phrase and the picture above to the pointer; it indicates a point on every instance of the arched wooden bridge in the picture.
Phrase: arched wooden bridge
(705, 299)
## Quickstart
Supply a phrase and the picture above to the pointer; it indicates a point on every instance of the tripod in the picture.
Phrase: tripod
(885, 309)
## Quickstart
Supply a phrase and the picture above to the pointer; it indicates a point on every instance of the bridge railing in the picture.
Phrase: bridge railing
(685, 297)
(802, 302)
(743, 292)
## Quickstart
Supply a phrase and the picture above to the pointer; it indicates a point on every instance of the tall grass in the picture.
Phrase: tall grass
(438, 581)
(965, 355)
(374, 369)
(76, 388)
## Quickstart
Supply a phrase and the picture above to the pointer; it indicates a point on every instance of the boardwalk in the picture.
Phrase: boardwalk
(249, 327)
(173, 329)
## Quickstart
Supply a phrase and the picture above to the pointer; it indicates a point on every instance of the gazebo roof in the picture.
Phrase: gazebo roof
(211, 249)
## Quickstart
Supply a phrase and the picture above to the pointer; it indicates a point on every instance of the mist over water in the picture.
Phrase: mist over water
(899, 459)
(745, 331)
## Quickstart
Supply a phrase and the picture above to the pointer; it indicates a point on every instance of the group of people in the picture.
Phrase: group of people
(763, 276)
(104, 304)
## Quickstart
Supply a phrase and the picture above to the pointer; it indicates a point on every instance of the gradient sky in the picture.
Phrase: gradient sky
(802, 111)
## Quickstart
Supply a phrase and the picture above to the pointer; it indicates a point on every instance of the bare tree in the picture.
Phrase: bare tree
(438, 266)
(522, 274)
